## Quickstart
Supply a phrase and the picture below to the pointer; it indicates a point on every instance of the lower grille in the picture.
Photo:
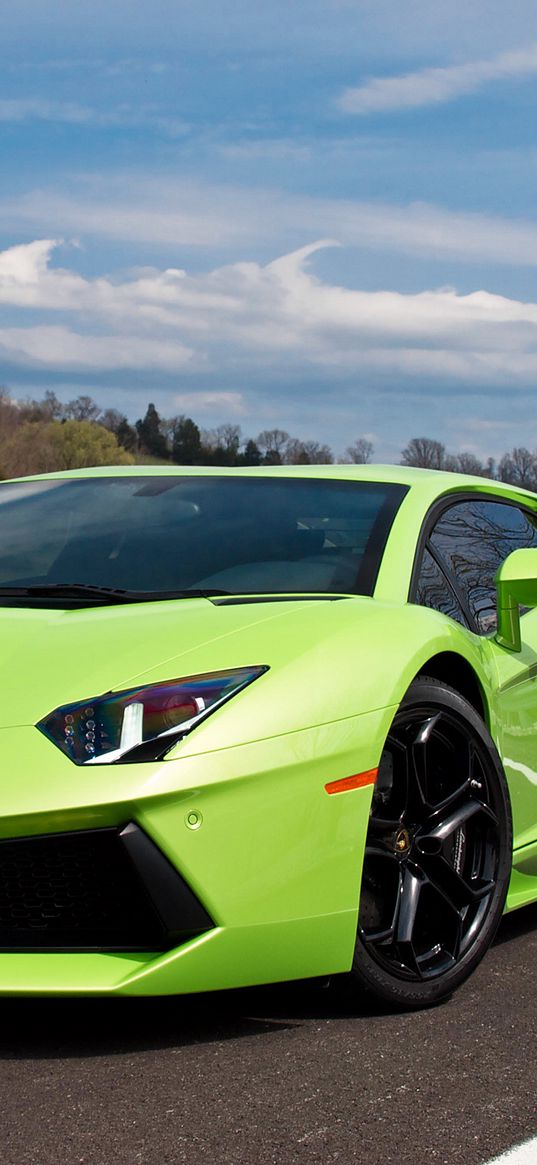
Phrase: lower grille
(101, 889)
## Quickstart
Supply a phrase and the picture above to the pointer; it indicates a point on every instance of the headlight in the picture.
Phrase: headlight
(141, 723)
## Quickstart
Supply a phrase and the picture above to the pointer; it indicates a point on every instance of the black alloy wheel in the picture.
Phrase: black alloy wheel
(438, 851)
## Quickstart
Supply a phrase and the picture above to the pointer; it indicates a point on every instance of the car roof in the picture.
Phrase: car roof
(429, 483)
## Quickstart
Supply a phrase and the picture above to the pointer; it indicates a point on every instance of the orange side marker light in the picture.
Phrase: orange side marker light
(356, 782)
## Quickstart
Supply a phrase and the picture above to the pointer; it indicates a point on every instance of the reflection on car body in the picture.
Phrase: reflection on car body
(261, 724)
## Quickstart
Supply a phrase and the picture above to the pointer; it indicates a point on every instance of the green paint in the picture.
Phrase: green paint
(239, 805)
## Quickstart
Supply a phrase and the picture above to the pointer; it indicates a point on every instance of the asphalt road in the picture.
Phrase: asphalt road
(282, 1074)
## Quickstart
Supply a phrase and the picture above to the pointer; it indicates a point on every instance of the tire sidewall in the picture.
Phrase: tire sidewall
(366, 970)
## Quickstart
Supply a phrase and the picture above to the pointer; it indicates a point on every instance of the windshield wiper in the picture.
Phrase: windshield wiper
(108, 594)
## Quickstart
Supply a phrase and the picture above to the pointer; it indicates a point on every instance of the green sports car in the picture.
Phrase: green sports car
(264, 724)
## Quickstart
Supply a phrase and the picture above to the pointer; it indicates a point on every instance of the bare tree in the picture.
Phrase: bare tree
(469, 463)
(294, 452)
(360, 453)
(11, 415)
(229, 438)
(47, 409)
(317, 453)
(221, 446)
(83, 408)
(424, 453)
(273, 442)
(519, 468)
(112, 419)
(297, 452)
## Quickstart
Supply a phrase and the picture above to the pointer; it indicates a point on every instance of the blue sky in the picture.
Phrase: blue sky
(317, 215)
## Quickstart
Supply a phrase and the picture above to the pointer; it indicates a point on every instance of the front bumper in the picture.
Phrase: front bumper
(273, 861)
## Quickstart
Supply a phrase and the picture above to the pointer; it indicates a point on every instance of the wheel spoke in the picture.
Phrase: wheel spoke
(460, 767)
(382, 931)
(459, 794)
(378, 936)
(375, 849)
(454, 889)
(417, 790)
(457, 819)
(411, 888)
(408, 906)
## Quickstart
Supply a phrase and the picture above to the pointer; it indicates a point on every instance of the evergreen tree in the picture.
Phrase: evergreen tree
(151, 439)
(126, 435)
(252, 453)
(186, 442)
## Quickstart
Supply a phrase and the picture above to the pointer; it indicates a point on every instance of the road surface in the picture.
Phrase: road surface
(288, 1074)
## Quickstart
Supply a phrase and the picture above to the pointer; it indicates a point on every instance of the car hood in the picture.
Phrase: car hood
(53, 657)
(327, 659)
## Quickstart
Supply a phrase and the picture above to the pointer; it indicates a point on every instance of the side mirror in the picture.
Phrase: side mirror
(516, 586)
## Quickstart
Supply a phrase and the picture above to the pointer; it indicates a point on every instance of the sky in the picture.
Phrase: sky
(315, 215)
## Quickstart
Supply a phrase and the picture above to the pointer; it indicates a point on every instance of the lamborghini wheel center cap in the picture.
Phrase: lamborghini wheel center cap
(402, 841)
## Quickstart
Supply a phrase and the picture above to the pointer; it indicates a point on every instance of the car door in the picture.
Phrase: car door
(467, 541)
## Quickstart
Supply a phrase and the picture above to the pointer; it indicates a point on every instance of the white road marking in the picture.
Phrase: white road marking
(525, 1154)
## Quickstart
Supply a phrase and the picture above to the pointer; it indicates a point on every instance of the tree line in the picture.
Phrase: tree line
(41, 436)
(519, 467)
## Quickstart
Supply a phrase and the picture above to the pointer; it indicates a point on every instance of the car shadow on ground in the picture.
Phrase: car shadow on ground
(42, 1029)
(63, 1028)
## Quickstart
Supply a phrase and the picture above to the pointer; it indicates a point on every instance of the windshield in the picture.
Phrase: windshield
(175, 533)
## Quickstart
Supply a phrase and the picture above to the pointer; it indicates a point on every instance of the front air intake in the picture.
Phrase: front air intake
(101, 889)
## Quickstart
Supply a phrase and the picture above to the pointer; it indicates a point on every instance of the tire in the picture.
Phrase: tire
(438, 851)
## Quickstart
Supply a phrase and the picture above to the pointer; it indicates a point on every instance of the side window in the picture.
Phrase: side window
(433, 590)
(470, 540)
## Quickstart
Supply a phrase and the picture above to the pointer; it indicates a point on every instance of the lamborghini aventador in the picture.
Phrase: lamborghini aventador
(264, 724)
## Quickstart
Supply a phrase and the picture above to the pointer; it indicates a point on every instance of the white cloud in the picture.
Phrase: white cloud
(77, 65)
(229, 402)
(138, 209)
(38, 109)
(420, 229)
(434, 86)
(61, 348)
(234, 319)
(293, 33)
(22, 109)
(189, 214)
